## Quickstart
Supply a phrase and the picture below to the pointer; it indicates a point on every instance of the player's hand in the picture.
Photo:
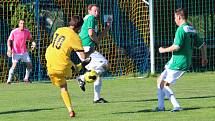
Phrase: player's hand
(33, 46)
(161, 50)
(77, 68)
(9, 53)
(109, 21)
(204, 62)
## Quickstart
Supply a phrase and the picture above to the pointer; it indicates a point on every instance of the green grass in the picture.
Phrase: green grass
(130, 100)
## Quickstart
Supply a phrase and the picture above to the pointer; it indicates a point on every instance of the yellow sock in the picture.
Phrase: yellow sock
(67, 100)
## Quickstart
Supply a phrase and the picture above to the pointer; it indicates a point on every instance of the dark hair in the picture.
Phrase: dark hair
(76, 21)
(91, 5)
(182, 12)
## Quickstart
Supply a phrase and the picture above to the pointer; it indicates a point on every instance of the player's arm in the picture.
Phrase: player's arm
(30, 39)
(103, 33)
(10, 44)
(178, 42)
(77, 46)
(204, 55)
(93, 36)
(33, 44)
(91, 29)
(82, 55)
(169, 49)
(107, 28)
(203, 47)
(84, 60)
(9, 47)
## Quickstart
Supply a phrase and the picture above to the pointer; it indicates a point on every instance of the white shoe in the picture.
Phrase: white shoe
(176, 109)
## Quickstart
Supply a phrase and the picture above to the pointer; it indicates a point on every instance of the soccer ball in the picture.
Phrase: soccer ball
(90, 76)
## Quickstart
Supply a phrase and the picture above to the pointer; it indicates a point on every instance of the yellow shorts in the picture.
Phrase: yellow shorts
(58, 77)
(57, 80)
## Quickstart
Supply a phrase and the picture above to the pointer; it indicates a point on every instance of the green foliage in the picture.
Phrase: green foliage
(130, 100)
(22, 11)
(203, 24)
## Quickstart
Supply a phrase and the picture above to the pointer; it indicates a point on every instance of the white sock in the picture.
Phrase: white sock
(161, 96)
(171, 97)
(82, 77)
(11, 71)
(27, 73)
(97, 88)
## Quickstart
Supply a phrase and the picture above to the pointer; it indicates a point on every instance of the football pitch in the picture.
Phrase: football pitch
(130, 100)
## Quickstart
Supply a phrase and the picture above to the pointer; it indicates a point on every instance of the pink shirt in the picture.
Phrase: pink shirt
(19, 40)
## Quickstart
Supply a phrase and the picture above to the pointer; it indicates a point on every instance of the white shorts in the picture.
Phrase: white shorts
(171, 76)
(23, 57)
(88, 48)
(97, 62)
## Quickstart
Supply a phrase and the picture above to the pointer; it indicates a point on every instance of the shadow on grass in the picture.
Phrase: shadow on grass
(150, 110)
(147, 100)
(151, 100)
(199, 97)
(27, 110)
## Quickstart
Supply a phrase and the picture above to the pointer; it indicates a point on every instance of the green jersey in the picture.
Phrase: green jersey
(89, 23)
(185, 38)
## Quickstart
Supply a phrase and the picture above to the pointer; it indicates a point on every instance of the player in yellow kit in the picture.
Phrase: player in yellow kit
(65, 40)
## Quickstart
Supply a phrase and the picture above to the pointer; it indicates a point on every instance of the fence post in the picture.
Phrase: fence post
(38, 35)
(152, 55)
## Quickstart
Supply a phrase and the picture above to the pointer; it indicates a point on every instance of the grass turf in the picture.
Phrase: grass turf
(130, 100)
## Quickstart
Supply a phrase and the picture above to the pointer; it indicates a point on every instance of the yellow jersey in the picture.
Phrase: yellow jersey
(65, 40)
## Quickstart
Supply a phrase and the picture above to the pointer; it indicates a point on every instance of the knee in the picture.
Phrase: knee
(166, 84)
(29, 66)
(101, 68)
(160, 82)
(106, 66)
(13, 66)
(98, 81)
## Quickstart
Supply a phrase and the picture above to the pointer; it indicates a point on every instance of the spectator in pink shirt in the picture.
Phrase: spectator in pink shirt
(17, 49)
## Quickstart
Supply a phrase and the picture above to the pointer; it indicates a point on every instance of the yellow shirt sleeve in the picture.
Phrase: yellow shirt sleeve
(76, 43)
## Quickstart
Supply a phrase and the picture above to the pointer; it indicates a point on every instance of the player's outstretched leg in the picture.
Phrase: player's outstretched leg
(67, 100)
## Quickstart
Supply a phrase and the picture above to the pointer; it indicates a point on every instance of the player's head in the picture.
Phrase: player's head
(93, 9)
(180, 16)
(21, 24)
(76, 22)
